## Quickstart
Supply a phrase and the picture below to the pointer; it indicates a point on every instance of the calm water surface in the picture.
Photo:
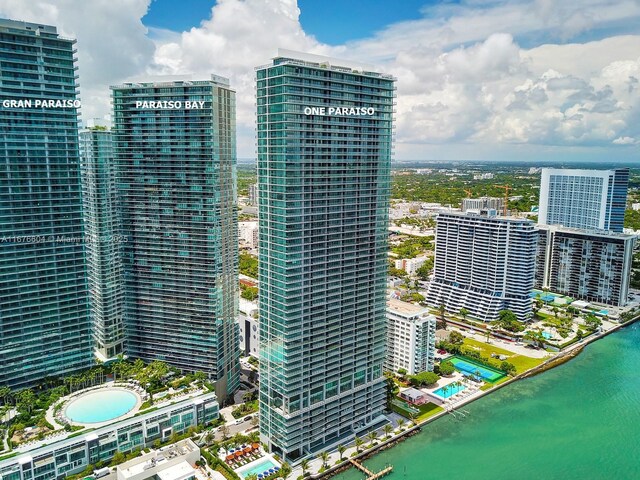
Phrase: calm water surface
(580, 420)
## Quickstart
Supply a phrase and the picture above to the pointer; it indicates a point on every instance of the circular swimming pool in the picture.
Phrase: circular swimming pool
(101, 406)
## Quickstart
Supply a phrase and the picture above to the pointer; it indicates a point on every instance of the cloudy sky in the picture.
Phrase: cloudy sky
(477, 79)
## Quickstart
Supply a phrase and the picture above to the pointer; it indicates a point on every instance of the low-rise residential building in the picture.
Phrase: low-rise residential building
(173, 462)
(410, 265)
(414, 396)
(411, 339)
(248, 232)
(74, 454)
(587, 265)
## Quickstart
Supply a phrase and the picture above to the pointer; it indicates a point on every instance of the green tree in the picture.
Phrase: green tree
(5, 393)
(592, 322)
(372, 436)
(443, 320)
(358, 443)
(446, 368)
(304, 464)
(387, 430)
(400, 423)
(341, 450)
(249, 293)
(402, 372)
(456, 337)
(248, 265)
(536, 337)
(463, 313)
(424, 378)
(118, 458)
(324, 456)
(224, 430)
(508, 368)
(25, 400)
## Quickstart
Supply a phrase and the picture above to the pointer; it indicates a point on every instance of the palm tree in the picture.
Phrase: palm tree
(5, 392)
(400, 423)
(324, 456)
(372, 435)
(445, 389)
(387, 430)
(358, 443)
(478, 374)
(224, 430)
(209, 437)
(341, 450)
(441, 310)
(304, 464)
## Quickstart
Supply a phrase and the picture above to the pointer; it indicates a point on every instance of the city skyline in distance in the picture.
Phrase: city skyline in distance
(531, 81)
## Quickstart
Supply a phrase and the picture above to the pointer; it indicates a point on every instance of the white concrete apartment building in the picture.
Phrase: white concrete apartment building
(173, 462)
(411, 337)
(484, 263)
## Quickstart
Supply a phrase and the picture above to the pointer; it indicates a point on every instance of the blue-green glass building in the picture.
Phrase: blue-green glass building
(103, 242)
(44, 322)
(324, 149)
(175, 152)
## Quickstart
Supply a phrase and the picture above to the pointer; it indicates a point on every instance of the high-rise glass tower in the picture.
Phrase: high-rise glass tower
(44, 320)
(175, 152)
(103, 246)
(587, 199)
(324, 150)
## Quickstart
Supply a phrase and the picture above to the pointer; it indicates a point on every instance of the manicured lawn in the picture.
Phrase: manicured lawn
(488, 385)
(521, 362)
(428, 410)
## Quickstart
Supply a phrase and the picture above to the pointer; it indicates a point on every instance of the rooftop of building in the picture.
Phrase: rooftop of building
(487, 214)
(405, 308)
(321, 61)
(157, 459)
(36, 28)
(168, 80)
(587, 232)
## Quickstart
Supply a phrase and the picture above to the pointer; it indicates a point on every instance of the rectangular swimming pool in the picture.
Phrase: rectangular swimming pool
(448, 390)
(257, 469)
(475, 369)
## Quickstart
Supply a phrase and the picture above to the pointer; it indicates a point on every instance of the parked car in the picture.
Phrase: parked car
(248, 417)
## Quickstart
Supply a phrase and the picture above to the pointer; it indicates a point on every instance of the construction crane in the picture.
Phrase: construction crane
(506, 189)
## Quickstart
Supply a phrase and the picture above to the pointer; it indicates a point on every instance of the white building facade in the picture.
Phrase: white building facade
(587, 199)
(484, 264)
(411, 337)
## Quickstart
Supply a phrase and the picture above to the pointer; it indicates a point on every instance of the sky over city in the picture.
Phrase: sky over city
(477, 79)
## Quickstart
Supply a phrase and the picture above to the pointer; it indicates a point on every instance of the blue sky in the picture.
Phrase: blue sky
(330, 21)
(476, 79)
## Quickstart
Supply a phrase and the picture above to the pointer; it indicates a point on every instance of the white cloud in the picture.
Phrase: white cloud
(466, 75)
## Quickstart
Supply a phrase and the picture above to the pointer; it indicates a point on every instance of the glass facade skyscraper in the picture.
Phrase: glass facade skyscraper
(324, 151)
(587, 199)
(44, 320)
(175, 152)
(103, 246)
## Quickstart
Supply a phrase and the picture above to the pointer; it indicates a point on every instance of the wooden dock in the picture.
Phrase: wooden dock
(369, 473)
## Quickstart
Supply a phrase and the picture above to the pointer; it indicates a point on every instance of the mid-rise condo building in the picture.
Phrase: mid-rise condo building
(588, 265)
(587, 199)
(324, 151)
(44, 317)
(411, 337)
(175, 150)
(483, 263)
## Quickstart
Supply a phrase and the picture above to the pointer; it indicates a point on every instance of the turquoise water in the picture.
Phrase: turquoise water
(450, 392)
(259, 468)
(475, 369)
(579, 421)
(101, 406)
